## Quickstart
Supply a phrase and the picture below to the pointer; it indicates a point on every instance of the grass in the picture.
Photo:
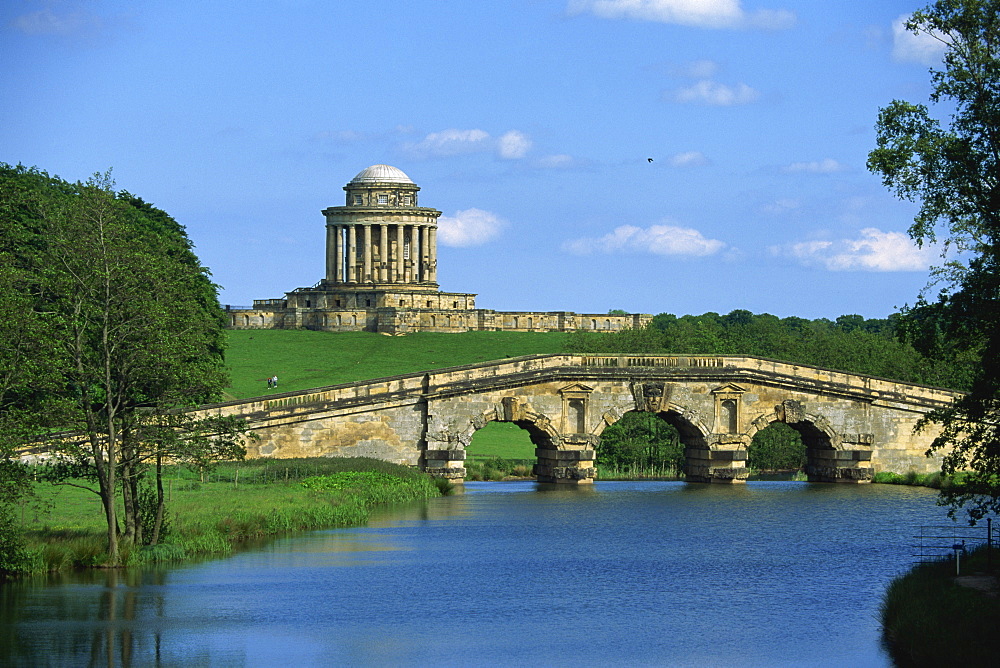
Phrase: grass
(929, 620)
(304, 359)
(238, 502)
(933, 480)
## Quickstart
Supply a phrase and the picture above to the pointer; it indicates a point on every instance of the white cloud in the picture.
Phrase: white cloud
(47, 22)
(471, 227)
(655, 239)
(825, 166)
(558, 161)
(451, 142)
(688, 159)
(780, 206)
(697, 69)
(914, 48)
(716, 94)
(698, 13)
(875, 250)
(513, 145)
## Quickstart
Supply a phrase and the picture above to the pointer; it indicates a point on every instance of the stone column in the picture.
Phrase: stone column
(366, 270)
(415, 252)
(383, 253)
(352, 254)
(432, 260)
(448, 464)
(331, 249)
(399, 254)
(339, 254)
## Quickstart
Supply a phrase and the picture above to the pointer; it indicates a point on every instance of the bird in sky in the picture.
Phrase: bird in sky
(650, 159)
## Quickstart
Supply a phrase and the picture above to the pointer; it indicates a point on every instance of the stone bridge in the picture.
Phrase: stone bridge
(853, 426)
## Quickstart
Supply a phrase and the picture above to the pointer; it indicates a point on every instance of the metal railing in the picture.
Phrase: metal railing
(937, 543)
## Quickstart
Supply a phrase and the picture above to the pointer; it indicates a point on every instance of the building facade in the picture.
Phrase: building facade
(381, 275)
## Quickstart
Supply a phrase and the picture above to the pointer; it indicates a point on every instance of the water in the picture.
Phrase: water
(643, 573)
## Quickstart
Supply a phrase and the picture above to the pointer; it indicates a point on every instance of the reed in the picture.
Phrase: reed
(930, 620)
(227, 510)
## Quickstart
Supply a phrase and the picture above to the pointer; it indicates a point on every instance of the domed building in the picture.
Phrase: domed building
(381, 275)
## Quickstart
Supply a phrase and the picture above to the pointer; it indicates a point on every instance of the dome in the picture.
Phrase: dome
(381, 174)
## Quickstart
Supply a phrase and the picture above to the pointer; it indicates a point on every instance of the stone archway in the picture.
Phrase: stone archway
(830, 457)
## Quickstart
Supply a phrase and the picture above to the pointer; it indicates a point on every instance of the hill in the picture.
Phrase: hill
(303, 359)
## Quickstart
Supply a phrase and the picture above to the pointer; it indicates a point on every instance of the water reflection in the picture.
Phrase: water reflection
(505, 573)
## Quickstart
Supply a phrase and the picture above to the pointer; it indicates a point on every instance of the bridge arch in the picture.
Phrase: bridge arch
(828, 457)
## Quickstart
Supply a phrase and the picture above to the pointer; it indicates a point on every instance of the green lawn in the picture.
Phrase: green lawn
(304, 359)
(501, 439)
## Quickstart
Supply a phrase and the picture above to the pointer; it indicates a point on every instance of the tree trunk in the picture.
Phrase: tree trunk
(155, 538)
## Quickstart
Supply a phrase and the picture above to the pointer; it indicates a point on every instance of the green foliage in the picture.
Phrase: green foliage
(109, 326)
(641, 441)
(875, 347)
(952, 169)
(776, 448)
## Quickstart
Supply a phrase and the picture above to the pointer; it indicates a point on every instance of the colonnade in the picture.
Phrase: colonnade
(381, 253)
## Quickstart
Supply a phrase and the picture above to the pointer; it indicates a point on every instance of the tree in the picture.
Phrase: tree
(952, 169)
(132, 334)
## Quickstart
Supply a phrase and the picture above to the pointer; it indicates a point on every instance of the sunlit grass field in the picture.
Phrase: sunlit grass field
(304, 359)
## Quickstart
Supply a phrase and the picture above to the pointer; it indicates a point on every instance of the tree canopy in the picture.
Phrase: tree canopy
(947, 159)
(109, 328)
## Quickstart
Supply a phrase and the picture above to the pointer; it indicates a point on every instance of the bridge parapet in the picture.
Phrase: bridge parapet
(565, 402)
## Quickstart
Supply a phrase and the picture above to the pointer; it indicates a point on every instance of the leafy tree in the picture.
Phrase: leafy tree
(641, 441)
(776, 448)
(952, 169)
(129, 334)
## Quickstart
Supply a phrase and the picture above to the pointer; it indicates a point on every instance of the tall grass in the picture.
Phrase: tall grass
(930, 620)
(609, 472)
(214, 517)
(934, 480)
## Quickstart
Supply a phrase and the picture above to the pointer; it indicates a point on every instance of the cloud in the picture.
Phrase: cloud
(697, 69)
(512, 145)
(914, 48)
(875, 250)
(780, 206)
(558, 161)
(655, 239)
(688, 159)
(715, 94)
(471, 227)
(825, 166)
(696, 13)
(47, 22)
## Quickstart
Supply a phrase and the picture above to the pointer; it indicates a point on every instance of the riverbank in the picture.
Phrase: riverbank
(930, 617)
(215, 513)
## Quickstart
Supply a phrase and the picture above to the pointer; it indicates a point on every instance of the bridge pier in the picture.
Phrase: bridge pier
(574, 467)
(716, 466)
(447, 464)
(840, 466)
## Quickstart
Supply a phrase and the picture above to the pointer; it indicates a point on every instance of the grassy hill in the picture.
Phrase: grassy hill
(305, 359)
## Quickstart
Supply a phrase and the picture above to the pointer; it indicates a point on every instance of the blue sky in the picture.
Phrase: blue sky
(528, 123)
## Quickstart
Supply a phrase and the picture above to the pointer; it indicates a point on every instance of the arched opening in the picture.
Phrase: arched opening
(502, 450)
(593, 324)
(777, 453)
(642, 445)
(529, 323)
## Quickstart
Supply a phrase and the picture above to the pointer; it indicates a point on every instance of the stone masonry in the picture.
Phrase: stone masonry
(853, 426)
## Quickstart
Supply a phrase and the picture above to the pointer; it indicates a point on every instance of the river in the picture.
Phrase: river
(637, 573)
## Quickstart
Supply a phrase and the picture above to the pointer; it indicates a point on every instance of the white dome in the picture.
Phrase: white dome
(381, 174)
